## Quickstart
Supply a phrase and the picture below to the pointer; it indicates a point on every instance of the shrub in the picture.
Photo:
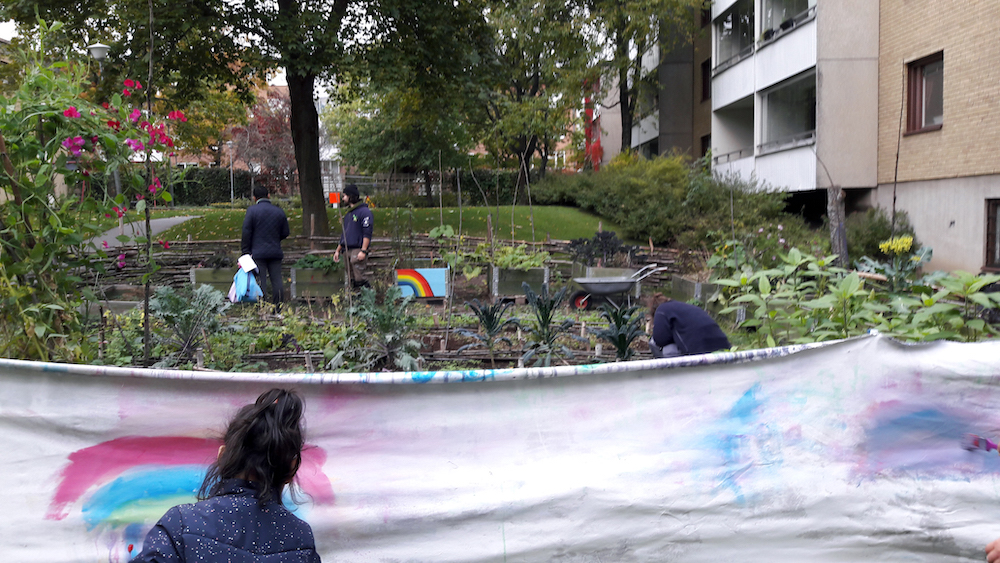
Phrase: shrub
(867, 229)
(672, 202)
(204, 186)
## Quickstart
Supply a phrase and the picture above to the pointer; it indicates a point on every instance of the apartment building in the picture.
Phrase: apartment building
(794, 93)
(939, 126)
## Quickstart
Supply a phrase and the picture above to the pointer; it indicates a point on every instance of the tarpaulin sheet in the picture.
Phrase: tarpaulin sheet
(843, 452)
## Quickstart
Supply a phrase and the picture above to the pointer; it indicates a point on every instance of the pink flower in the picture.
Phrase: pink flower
(125, 92)
(71, 112)
(179, 115)
(135, 115)
(780, 228)
(129, 83)
(138, 85)
(74, 145)
(120, 212)
(760, 230)
(104, 243)
(155, 186)
(164, 244)
(135, 144)
(121, 261)
(781, 240)
(140, 196)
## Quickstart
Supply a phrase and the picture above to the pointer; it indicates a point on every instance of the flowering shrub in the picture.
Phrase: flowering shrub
(50, 135)
(901, 269)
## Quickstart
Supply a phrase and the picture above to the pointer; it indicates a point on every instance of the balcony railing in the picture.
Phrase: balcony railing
(731, 61)
(771, 35)
(789, 142)
(731, 156)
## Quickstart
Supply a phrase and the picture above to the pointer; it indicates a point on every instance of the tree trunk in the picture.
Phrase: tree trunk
(427, 187)
(626, 110)
(524, 162)
(305, 137)
(835, 212)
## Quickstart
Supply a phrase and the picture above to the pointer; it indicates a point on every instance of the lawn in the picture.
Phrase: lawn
(558, 222)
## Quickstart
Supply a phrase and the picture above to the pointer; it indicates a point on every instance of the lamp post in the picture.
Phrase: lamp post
(232, 188)
(98, 51)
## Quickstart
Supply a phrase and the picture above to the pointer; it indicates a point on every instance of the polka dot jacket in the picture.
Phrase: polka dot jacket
(232, 527)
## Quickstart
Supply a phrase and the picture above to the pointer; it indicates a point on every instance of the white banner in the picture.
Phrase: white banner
(846, 452)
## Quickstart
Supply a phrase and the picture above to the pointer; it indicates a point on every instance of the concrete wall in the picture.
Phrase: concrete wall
(847, 92)
(967, 33)
(949, 215)
(791, 54)
(611, 126)
(702, 119)
(676, 115)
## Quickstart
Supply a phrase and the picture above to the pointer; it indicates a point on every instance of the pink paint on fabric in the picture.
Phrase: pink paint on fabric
(95, 464)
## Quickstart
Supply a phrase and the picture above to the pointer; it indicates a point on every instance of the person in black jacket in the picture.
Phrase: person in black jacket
(239, 516)
(680, 329)
(359, 224)
(264, 227)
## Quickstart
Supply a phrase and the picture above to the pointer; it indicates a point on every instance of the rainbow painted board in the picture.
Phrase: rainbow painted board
(423, 282)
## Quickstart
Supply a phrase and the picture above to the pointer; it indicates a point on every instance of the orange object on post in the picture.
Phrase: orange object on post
(334, 198)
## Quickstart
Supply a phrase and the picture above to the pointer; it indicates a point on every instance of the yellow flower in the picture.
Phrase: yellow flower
(896, 245)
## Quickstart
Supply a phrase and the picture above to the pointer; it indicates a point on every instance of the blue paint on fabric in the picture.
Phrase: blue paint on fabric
(422, 376)
(142, 484)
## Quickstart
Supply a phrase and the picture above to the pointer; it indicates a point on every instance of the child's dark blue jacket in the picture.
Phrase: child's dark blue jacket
(230, 527)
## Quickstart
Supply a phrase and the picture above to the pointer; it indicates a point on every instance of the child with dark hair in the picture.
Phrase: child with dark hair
(239, 516)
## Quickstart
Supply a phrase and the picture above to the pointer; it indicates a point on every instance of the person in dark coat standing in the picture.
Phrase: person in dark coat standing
(359, 224)
(680, 329)
(264, 227)
(240, 516)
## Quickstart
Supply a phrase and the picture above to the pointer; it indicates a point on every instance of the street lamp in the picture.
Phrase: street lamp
(232, 188)
(99, 51)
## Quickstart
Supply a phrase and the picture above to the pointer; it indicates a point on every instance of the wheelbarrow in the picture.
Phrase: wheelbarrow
(596, 290)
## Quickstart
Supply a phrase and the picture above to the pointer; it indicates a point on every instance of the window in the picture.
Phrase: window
(992, 234)
(734, 34)
(790, 113)
(925, 94)
(706, 16)
(706, 144)
(706, 79)
(782, 15)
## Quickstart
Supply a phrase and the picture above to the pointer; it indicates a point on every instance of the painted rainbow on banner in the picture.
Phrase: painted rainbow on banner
(135, 479)
(415, 281)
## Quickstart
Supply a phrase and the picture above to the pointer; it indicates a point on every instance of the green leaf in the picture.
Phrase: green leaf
(124, 239)
(140, 206)
(166, 196)
(40, 330)
(765, 285)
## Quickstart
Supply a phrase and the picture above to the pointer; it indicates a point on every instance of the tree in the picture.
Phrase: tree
(265, 143)
(231, 43)
(630, 28)
(541, 66)
(189, 49)
(209, 121)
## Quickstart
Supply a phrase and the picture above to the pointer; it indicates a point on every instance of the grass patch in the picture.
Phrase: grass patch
(558, 222)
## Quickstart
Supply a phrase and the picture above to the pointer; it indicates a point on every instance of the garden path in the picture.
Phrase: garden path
(138, 228)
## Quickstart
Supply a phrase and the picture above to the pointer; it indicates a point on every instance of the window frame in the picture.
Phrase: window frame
(992, 236)
(706, 79)
(732, 58)
(915, 81)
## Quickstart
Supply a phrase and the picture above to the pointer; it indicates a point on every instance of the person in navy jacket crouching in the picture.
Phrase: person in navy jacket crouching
(681, 329)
